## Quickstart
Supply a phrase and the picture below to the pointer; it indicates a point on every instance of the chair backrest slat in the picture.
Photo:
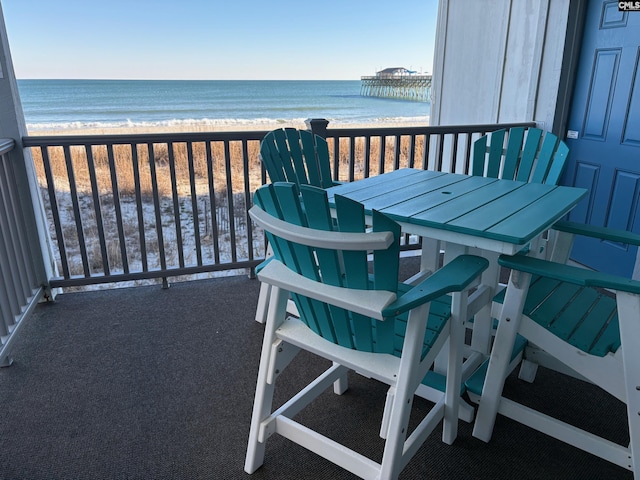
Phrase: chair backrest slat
(351, 219)
(310, 156)
(295, 156)
(545, 158)
(495, 154)
(512, 155)
(529, 154)
(557, 164)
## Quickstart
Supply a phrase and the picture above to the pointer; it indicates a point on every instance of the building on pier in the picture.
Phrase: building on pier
(397, 82)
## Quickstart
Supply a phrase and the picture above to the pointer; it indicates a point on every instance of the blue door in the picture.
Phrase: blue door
(604, 133)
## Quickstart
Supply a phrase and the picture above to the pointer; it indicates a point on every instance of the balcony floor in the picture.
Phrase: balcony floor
(145, 383)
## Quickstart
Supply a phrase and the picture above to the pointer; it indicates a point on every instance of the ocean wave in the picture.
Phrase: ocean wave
(204, 122)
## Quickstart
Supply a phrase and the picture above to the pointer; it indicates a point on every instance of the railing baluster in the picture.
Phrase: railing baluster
(336, 158)
(425, 151)
(412, 151)
(396, 153)
(138, 194)
(76, 211)
(176, 202)
(194, 203)
(467, 160)
(55, 212)
(440, 144)
(247, 199)
(367, 153)
(97, 205)
(213, 203)
(454, 153)
(156, 206)
(383, 154)
(117, 207)
(230, 202)
(352, 156)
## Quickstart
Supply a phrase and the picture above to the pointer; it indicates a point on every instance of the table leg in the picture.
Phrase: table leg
(483, 321)
(430, 258)
(451, 251)
(508, 325)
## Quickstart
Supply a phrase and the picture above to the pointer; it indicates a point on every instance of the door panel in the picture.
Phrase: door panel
(603, 80)
(605, 111)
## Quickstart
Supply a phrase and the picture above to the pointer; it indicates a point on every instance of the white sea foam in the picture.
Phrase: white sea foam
(208, 122)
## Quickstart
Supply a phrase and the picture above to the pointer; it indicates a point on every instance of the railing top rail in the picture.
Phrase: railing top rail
(141, 138)
(416, 130)
(6, 145)
(421, 130)
(177, 137)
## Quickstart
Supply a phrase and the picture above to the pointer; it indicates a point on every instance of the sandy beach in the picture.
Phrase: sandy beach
(198, 127)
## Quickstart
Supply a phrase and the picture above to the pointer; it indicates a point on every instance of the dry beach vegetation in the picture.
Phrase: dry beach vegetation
(199, 186)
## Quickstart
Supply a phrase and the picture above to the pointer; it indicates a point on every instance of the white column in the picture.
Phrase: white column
(12, 125)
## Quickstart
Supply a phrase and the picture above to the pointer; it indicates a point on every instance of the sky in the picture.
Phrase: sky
(218, 39)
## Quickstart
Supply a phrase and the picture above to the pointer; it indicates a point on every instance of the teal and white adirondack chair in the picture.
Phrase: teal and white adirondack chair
(580, 322)
(530, 155)
(297, 156)
(361, 321)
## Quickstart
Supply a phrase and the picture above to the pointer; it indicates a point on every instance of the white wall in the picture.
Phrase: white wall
(498, 61)
(12, 125)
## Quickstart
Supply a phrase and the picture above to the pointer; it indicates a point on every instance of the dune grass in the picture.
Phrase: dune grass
(202, 191)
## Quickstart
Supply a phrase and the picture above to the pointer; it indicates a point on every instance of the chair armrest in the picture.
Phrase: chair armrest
(320, 238)
(604, 233)
(568, 273)
(369, 303)
(453, 277)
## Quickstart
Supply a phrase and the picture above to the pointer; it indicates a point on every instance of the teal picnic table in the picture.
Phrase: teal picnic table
(487, 216)
(501, 216)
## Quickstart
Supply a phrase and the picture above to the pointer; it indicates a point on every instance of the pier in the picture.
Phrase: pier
(405, 86)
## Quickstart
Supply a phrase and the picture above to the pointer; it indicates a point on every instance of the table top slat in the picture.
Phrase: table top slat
(412, 207)
(389, 181)
(407, 192)
(486, 216)
(467, 205)
(537, 216)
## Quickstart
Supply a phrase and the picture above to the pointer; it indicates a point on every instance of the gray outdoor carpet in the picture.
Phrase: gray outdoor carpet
(146, 383)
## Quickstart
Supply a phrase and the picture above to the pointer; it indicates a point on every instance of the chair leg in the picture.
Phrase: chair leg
(408, 381)
(263, 303)
(528, 371)
(454, 366)
(341, 385)
(263, 400)
(628, 311)
(265, 293)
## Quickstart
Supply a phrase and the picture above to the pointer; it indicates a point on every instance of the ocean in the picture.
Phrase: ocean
(76, 104)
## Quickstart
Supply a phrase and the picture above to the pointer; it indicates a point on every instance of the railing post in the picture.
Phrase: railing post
(317, 126)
